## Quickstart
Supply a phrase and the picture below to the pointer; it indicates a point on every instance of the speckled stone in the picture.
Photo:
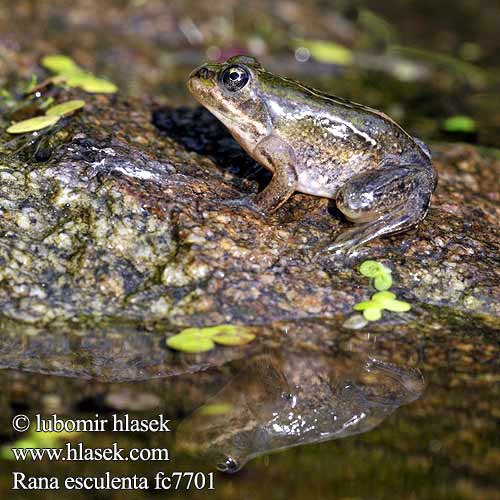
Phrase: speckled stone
(128, 221)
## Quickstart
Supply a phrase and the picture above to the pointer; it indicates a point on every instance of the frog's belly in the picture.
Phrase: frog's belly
(310, 182)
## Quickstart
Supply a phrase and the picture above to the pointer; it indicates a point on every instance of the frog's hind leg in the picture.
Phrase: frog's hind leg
(385, 201)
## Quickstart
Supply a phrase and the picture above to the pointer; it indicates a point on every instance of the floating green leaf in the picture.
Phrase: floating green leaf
(91, 84)
(36, 440)
(74, 76)
(327, 52)
(380, 273)
(65, 108)
(372, 309)
(215, 409)
(397, 306)
(367, 304)
(372, 314)
(383, 297)
(460, 123)
(372, 268)
(203, 339)
(240, 337)
(60, 64)
(210, 331)
(33, 124)
(191, 342)
(6, 450)
(383, 282)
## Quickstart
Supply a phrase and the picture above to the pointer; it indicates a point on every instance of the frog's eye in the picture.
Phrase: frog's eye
(234, 78)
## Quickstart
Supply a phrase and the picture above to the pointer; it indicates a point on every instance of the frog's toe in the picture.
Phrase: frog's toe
(344, 245)
(336, 248)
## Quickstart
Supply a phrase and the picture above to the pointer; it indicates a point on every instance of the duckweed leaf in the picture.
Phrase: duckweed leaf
(210, 331)
(6, 450)
(372, 314)
(191, 342)
(65, 108)
(383, 298)
(383, 282)
(239, 337)
(367, 304)
(460, 123)
(215, 409)
(372, 268)
(328, 52)
(60, 64)
(74, 76)
(397, 306)
(33, 124)
(91, 84)
(204, 339)
(36, 440)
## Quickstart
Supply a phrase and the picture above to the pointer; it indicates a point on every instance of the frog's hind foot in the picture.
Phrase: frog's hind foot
(383, 202)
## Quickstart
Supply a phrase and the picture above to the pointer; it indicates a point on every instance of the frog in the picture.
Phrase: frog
(380, 177)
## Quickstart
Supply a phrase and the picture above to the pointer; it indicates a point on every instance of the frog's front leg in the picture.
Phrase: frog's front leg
(388, 200)
(278, 157)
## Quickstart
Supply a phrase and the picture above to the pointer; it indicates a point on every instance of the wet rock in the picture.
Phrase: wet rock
(127, 220)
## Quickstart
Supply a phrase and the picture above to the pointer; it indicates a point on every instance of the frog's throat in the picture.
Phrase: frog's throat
(248, 133)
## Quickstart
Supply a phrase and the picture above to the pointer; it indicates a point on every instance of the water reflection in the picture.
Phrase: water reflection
(297, 383)
(282, 399)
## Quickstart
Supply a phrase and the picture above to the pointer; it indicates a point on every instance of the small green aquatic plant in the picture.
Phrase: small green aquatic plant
(33, 124)
(52, 116)
(381, 275)
(215, 409)
(36, 439)
(65, 108)
(460, 123)
(327, 52)
(372, 309)
(196, 340)
(382, 300)
(68, 72)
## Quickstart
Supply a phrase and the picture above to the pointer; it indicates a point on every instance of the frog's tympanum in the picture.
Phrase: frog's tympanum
(283, 399)
(381, 177)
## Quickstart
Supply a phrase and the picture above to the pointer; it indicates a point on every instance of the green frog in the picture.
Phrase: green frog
(380, 177)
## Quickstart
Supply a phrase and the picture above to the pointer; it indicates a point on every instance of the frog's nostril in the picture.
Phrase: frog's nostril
(205, 73)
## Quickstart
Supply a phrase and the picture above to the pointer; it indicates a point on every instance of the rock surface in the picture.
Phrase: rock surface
(125, 221)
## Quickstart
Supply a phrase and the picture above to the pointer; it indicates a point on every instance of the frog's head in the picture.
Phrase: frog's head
(230, 91)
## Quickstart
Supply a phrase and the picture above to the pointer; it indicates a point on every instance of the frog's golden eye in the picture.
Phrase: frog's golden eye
(234, 78)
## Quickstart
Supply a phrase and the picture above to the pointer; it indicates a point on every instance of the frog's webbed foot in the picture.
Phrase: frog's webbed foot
(353, 238)
(383, 202)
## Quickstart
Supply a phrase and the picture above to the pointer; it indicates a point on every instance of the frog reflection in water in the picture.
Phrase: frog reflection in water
(284, 399)
(381, 177)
